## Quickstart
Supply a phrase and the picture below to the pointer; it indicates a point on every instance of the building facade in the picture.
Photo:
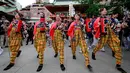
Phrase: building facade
(42, 1)
(31, 12)
(9, 6)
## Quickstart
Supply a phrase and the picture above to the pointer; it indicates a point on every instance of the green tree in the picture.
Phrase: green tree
(114, 6)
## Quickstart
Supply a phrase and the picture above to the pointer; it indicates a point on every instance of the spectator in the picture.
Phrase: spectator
(127, 35)
(6, 24)
(30, 33)
(2, 32)
(66, 24)
(49, 23)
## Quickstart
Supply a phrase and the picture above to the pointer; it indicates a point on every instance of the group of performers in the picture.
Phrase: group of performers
(101, 31)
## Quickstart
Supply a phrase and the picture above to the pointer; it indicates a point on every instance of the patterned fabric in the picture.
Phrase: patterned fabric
(40, 44)
(79, 39)
(58, 44)
(112, 40)
(14, 43)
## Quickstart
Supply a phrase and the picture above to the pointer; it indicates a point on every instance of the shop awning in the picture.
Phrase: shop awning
(8, 16)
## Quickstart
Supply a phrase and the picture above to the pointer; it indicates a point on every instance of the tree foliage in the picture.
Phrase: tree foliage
(94, 5)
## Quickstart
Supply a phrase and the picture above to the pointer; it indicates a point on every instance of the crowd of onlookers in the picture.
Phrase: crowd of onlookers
(3, 33)
(125, 33)
(121, 28)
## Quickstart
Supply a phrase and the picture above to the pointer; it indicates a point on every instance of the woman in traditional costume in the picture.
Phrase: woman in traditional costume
(77, 36)
(40, 40)
(15, 38)
(106, 35)
(56, 33)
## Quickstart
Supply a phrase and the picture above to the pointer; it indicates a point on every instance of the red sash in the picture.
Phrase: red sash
(97, 28)
(71, 30)
(18, 27)
(87, 25)
(52, 30)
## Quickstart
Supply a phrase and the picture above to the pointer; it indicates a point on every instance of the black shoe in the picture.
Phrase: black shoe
(69, 45)
(26, 44)
(39, 67)
(32, 42)
(56, 55)
(21, 44)
(6, 46)
(74, 57)
(93, 56)
(89, 67)
(19, 52)
(62, 67)
(37, 56)
(118, 67)
(9, 66)
(113, 53)
(127, 50)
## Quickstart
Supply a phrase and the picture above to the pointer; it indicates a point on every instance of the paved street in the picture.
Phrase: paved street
(28, 63)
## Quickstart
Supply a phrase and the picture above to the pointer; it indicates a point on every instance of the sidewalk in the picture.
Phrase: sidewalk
(28, 62)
